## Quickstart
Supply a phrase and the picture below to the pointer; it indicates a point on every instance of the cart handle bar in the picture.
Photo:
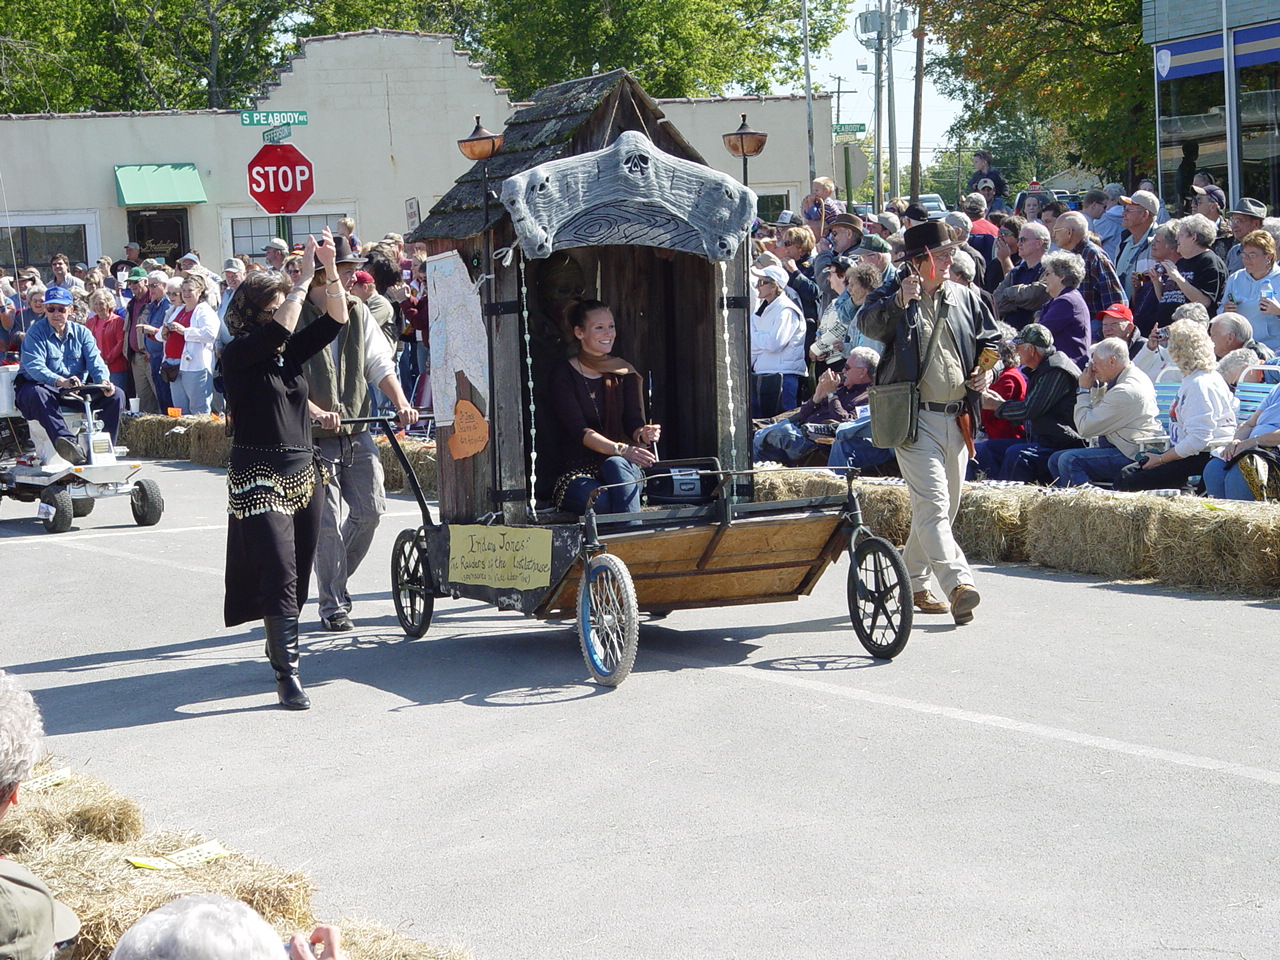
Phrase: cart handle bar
(409, 473)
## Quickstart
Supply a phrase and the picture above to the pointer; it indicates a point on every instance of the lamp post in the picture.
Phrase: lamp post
(481, 146)
(745, 143)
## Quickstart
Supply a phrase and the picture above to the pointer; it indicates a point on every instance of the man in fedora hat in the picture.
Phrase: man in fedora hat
(339, 379)
(1245, 218)
(903, 315)
(845, 233)
(32, 922)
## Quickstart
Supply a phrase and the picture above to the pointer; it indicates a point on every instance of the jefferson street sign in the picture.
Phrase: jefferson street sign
(273, 118)
(277, 134)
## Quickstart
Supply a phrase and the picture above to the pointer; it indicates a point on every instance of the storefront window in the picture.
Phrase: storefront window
(250, 234)
(35, 245)
(1257, 60)
(1193, 120)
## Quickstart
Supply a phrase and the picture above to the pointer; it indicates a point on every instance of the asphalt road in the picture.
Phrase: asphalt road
(1088, 770)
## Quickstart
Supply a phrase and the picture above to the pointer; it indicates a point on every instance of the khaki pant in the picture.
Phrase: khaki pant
(934, 468)
(143, 388)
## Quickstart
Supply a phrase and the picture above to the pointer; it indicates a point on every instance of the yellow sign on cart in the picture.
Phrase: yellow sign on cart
(517, 558)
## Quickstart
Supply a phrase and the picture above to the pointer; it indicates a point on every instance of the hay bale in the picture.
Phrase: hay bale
(992, 523)
(1222, 546)
(152, 436)
(886, 509)
(109, 894)
(366, 940)
(422, 458)
(780, 484)
(1090, 531)
(81, 807)
(210, 444)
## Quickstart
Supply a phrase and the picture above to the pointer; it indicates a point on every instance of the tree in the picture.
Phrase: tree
(1077, 65)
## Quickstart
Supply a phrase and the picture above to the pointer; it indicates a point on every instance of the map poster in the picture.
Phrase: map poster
(457, 337)
(517, 558)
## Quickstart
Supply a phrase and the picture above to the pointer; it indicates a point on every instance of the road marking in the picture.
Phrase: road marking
(994, 720)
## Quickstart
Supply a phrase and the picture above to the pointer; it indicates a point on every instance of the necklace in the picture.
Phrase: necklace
(588, 383)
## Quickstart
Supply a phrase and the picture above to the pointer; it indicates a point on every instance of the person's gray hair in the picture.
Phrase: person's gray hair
(1272, 226)
(1066, 265)
(963, 264)
(36, 287)
(21, 735)
(865, 356)
(1114, 191)
(1008, 355)
(1112, 348)
(1039, 231)
(1192, 311)
(1167, 232)
(1200, 228)
(1076, 221)
(201, 926)
(1235, 363)
(1234, 323)
(960, 221)
(974, 204)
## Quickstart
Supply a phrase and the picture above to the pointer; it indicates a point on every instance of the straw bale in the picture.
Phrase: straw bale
(992, 523)
(1222, 546)
(210, 444)
(774, 485)
(1089, 531)
(421, 456)
(886, 509)
(109, 894)
(151, 436)
(366, 940)
(79, 807)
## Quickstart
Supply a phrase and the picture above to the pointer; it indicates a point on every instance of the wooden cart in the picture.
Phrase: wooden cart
(602, 197)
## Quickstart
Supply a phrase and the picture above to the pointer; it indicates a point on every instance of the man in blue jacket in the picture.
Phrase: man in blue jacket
(56, 354)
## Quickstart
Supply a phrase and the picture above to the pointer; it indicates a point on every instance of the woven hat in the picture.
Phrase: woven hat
(32, 922)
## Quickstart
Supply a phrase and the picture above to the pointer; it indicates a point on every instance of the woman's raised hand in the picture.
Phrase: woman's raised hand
(323, 250)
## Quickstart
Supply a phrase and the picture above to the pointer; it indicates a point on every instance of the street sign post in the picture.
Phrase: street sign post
(272, 118)
(281, 179)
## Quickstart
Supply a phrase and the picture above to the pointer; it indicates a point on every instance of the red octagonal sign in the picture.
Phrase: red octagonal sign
(281, 179)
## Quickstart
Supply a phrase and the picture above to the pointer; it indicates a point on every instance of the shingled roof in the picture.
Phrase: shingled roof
(559, 122)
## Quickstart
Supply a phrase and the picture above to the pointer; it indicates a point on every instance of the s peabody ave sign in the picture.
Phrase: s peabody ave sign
(273, 118)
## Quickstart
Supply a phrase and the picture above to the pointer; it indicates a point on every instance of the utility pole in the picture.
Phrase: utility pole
(895, 174)
(917, 120)
(839, 82)
(808, 84)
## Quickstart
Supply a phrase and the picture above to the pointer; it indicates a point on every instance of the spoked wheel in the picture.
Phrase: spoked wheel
(880, 598)
(608, 619)
(411, 584)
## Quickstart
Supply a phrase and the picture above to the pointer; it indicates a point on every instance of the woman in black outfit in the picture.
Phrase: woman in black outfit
(273, 472)
(599, 403)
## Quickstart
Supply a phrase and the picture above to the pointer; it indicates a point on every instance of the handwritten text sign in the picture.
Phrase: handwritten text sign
(513, 557)
(470, 431)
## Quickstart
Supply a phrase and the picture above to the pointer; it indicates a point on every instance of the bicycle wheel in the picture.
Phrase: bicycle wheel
(608, 619)
(880, 598)
(411, 584)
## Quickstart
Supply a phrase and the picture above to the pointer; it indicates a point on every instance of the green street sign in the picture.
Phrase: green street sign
(848, 128)
(277, 134)
(273, 118)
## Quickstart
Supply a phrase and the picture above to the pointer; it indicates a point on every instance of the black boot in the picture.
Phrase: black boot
(282, 651)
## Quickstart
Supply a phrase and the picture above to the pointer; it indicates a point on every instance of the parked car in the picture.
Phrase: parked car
(934, 204)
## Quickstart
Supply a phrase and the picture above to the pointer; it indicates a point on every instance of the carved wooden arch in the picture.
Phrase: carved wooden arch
(629, 193)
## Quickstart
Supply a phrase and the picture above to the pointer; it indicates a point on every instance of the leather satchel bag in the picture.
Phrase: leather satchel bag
(895, 407)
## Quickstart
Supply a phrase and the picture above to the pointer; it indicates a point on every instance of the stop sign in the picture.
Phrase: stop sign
(281, 179)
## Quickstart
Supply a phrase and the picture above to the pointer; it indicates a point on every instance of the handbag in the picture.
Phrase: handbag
(169, 372)
(895, 407)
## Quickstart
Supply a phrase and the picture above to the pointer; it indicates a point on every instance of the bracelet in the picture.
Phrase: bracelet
(334, 280)
(336, 296)
(620, 449)
(293, 297)
(299, 288)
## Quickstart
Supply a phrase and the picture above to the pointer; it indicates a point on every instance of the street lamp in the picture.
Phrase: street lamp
(481, 147)
(745, 143)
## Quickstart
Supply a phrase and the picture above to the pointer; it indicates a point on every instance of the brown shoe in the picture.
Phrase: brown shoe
(926, 602)
(963, 599)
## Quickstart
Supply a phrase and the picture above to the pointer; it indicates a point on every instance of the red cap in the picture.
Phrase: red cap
(364, 276)
(1117, 310)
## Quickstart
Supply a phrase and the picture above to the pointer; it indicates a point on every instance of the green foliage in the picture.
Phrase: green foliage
(1079, 68)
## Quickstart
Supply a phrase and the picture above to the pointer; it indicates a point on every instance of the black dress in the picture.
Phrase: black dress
(274, 520)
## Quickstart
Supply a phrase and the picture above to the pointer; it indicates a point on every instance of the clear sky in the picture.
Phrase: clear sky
(842, 59)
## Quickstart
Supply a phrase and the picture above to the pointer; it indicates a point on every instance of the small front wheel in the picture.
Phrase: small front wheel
(146, 503)
(880, 598)
(608, 619)
(410, 584)
(57, 519)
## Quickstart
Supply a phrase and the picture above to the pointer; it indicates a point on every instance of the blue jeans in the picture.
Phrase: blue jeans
(1225, 483)
(784, 442)
(852, 447)
(1075, 468)
(774, 393)
(164, 395)
(988, 458)
(625, 499)
(1027, 463)
(192, 391)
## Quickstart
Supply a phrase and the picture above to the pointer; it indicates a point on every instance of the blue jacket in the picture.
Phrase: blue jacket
(47, 357)
(156, 313)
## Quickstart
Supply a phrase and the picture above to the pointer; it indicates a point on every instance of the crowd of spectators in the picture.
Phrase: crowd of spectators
(159, 329)
(1127, 327)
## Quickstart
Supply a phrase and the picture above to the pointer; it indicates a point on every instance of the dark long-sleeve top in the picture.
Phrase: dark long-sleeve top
(266, 391)
(1050, 404)
(577, 413)
(413, 310)
(838, 406)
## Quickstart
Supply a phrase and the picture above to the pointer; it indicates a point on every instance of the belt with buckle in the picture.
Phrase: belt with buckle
(954, 408)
